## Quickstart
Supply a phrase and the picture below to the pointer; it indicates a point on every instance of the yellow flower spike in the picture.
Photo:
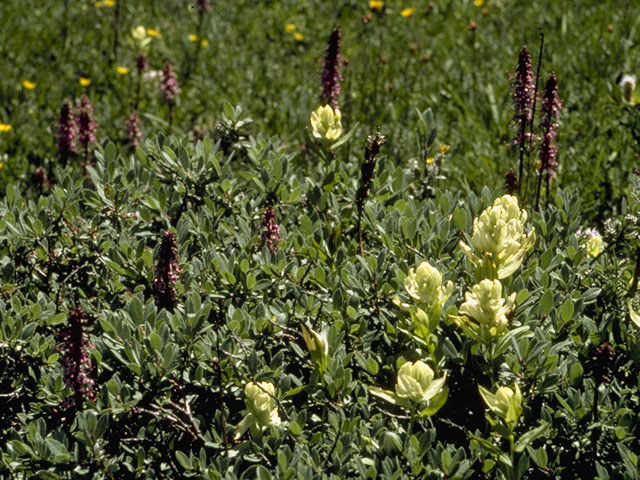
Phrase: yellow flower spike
(298, 37)
(594, 245)
(152, 32)
(84, 82)
(326, 123)
(141, 36)
(499, 239)
(483, 315)
(415, 382)
(5, 127)
(318, 345)
(122, 70)
(260, 401)
(290, 28)
(424, 285)
(28, 85)
(204, 43)
(506, 403)
(193, 37)
(408, 12)
(376, 5)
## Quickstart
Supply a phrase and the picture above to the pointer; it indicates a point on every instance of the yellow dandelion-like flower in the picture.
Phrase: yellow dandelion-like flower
(4, 127)
(98, 4)
(84, 81)
(152, 32)
(1, 165)
(444, 148)
(298, 37)
(122, 70)
(28, 85)
(478, 3)
(109, 3)
(204, 43)
(290, 28)
(408, 12)
(430, 160)
(193, 37)
(376, 5)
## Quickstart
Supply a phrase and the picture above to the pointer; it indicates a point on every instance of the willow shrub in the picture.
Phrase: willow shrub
(303, 324)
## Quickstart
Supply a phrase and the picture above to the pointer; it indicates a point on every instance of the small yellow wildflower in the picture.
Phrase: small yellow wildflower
(84, 81)
(4, 127)
(204, 43)
(122, 70)
(98, 4)
(430, 160)
(28, 85)
(408, 12)
(290, 28)
(478, 3)
(443, 148)
(298, 37)
(109, 3)
(152, 32)
(1, 165)
(376, 5)
(193, 37)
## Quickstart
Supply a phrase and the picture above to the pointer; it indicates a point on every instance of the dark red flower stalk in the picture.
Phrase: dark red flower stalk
(549, 112)
(134, 134)
(67, 132)
(169, 87)
(511, 182)
(367, 173)
(141, 63)
(523, 92)
(331, 76)
(523, 100)
(76, 364)
(167, 270)
(602, 363)
(270, 229)
(87, 125)
(203, 6)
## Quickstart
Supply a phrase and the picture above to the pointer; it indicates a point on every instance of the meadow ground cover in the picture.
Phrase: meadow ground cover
(284, 239)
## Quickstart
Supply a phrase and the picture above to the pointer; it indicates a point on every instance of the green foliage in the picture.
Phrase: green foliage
(246, 253)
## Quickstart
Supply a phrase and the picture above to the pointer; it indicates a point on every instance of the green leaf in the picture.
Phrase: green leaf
(344, 139)
(436, 403)
(183, 460)
(566, 311)
(546, 302)
(530, 436)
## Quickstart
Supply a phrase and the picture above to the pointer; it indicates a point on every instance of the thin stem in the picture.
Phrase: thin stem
(636, 275)
(533, 115)
(116, 30)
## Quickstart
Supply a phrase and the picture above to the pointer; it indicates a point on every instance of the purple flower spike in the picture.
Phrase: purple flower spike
(67, 132)
(270, 229)
(169, 87)
(550, 111)
(76, 364)
(523, 95)
(331, 76)
(167, 270)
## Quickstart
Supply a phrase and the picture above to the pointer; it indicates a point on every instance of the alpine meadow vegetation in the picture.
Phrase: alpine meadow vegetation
(303, 240)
